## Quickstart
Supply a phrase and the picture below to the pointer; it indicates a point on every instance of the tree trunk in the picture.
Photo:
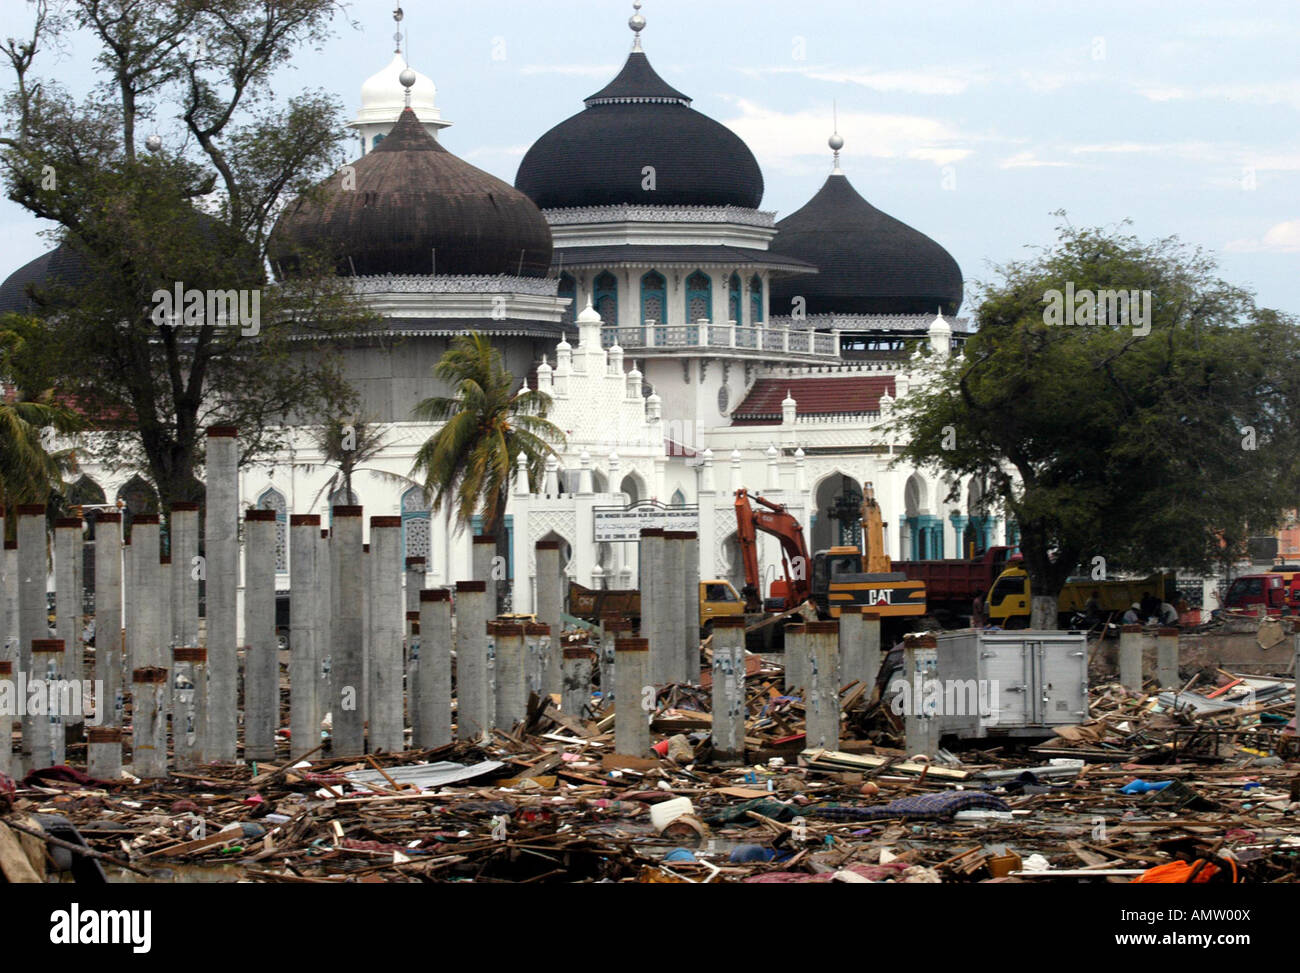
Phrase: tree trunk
(1042, 612)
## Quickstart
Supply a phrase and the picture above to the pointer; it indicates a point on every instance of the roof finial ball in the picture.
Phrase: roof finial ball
(637, 23)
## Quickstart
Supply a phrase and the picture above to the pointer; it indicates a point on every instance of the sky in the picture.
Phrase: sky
(972, 121)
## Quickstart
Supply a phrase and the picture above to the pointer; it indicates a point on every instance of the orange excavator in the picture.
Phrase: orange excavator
(831, 579)
(776, 520)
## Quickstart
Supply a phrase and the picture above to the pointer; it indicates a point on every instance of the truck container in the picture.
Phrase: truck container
(1011, 684)
(952, 585)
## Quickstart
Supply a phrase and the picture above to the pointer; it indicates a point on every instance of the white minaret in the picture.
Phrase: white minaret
(383, 96)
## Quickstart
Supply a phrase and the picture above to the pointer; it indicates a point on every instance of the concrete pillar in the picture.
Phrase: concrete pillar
(68, 600)
(184, 527)
(796, 659)
(1130, 657)
(143, 598)
(690, 545)
(729, 709)
(149, 722)
(47, 749)
(387, 618)
(415, 575)
(822, 706)
(576, 673)
(853, 643)
(483, 550)
(511, 676)
(165, 615)
(32, 622)
(108, 621)
(367, 582)
(612, 628)
(921, 725)
(9, 687)
(221, 572)
(130, 623)
(103, 743)
(1167, 658)
(346, 659)
(189, 705)
(261, 654)
(672, 621)
(654, 604)
(631, 722)
(873, 655)
(304, 632)
(537, 652)
(550, 603)
(435, 672)
(473, 717)
(324, 608)
(8, 631)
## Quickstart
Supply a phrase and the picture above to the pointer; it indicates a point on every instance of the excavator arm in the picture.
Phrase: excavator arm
(776, 520)
(875, 558)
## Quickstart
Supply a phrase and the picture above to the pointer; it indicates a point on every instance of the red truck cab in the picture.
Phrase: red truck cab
(1274, 591)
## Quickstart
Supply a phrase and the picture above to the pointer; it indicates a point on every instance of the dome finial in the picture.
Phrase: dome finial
(836, 141)
(637, 23)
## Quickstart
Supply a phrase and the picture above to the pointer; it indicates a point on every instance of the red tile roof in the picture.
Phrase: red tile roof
(834, 395)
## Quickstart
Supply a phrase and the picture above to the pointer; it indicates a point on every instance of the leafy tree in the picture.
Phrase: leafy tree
(1146, 444)
(139, 218)
(468, 465)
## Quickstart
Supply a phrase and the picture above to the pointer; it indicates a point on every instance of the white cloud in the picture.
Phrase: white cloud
(1027, 160)
(496, 152)
(784, 139)
(1284, 91)
(572, 70)
(944, 80)
(1280, 238)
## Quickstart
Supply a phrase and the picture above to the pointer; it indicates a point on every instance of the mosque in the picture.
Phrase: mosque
(692, 342)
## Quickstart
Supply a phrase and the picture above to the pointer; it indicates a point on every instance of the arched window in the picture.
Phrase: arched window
(137, 497)
(568, 289)
(605, 298)
(699, 297)
(733, 299)
(273, 499)
(375, 144)
(679, 498)
(415, 524)
(756, 299)
(654, 298)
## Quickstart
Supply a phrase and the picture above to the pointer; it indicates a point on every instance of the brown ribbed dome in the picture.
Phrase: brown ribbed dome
(412, 199)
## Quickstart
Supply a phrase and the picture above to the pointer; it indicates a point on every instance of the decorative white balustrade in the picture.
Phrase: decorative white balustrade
(743, 338)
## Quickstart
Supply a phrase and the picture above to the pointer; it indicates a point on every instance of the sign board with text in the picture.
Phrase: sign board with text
(615, 524)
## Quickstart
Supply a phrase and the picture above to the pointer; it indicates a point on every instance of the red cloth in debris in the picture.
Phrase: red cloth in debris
(62, 772)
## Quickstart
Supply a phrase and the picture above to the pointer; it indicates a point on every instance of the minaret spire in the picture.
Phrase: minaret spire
(836, 141)
(637, 23)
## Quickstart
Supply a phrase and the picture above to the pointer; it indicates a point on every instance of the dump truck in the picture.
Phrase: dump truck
(717, 597)
(1010, 597)
(952, 585)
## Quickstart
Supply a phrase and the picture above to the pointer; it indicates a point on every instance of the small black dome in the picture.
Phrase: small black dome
(598, 157)
(21, 290)
(411, 199)
(868, 262)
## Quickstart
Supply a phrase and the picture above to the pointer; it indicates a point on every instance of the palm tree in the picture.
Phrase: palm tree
(469, 464)
(346, 444)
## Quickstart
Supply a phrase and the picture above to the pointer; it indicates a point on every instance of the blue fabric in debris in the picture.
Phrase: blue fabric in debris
(680, 855)
(943, 804)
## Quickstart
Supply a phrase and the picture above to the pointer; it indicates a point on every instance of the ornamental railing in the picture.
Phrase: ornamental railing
(704, 334)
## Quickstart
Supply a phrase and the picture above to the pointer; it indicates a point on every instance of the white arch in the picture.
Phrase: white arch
(916, 495)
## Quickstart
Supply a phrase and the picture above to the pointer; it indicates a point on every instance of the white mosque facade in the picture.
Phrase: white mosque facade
(691, 342)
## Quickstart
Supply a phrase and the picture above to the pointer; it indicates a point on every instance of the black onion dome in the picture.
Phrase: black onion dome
(598, 157)
(412, 199)
(868, 262)
(23, 290)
